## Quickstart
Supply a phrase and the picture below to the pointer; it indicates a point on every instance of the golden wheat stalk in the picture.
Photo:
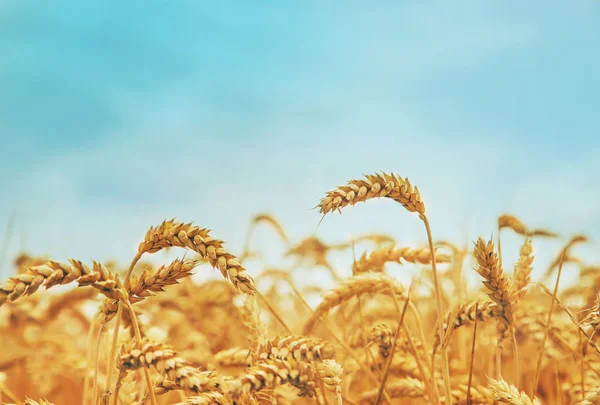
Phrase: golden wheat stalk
(400, 190)
(374, 186)
(572, 242)
(330, 373)
(155, 280)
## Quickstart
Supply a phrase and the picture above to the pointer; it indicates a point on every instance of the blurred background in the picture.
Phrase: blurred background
(117, 115)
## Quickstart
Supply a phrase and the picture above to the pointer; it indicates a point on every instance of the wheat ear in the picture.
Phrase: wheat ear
(145, 354)
(377, 259)
(54, 273)
(199, 240)
(498, 289)
(509, 394)
(512, 222)
(523, 268)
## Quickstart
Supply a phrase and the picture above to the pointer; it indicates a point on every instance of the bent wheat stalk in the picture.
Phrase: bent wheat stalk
(402, 191)
(179, 234)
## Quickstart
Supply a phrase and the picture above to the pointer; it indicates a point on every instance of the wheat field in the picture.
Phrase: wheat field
(137, 333)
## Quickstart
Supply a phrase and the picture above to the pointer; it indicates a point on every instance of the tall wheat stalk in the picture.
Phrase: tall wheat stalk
(402, 191)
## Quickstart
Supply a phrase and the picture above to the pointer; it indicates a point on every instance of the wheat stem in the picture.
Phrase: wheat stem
(138, 336)
(393, 349)
(438, 302)
(96, 363)
(547, 329)
(113, 350)
(88, 356)
(517, 365)
(274, 312)
(472, 356)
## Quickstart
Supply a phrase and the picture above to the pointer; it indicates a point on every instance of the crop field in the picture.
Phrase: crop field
(133, 333)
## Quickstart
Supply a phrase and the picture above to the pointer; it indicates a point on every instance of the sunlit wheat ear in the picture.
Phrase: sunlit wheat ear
(496, 283)
(155, 280)
(54, 273)
(500, 290)
(592, 319)
(48, 275)
(523, 268)
(164, 359)
(269, 374)
(381, 335)
(296, 348)
(509, 394)
(199, 240)
(374, 186)
(512, 222)
(376, 260)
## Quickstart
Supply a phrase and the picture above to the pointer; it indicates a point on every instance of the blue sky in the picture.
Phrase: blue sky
(116, 115)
